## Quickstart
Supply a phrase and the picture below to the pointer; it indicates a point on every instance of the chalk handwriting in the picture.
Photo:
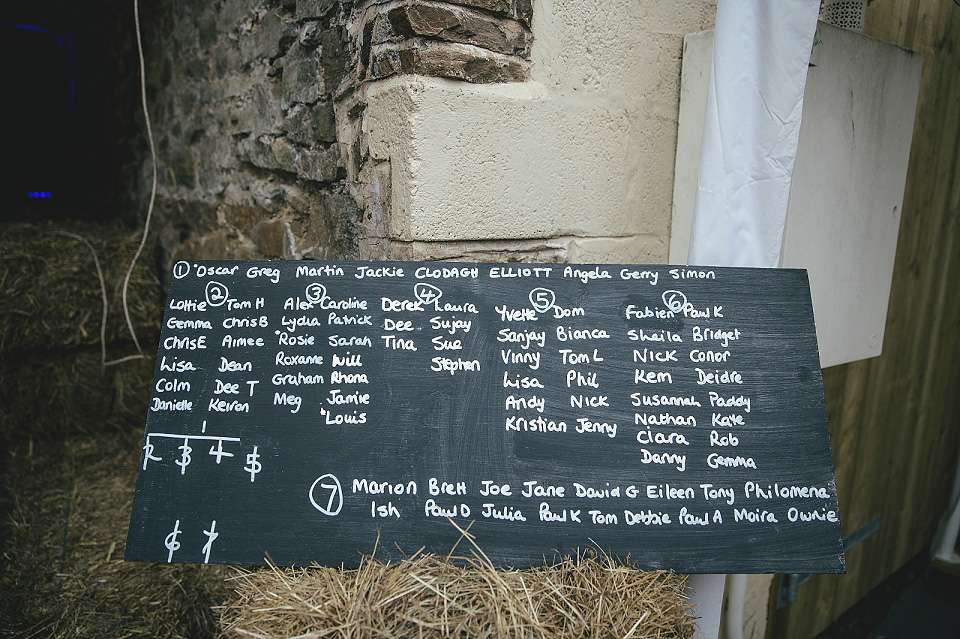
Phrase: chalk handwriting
(185, 448)
(171, 543)
(212, 535)
(625, 409)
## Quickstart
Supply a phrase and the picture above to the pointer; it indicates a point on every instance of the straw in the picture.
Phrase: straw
(52, 290)
(71, 580)
(588, 595)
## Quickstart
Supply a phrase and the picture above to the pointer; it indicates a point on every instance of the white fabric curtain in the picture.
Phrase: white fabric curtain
(754, 99)
(761, 51)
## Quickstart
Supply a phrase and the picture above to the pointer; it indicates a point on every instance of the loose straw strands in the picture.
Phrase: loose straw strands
(57, 283)
(590, 595)
(68, 578)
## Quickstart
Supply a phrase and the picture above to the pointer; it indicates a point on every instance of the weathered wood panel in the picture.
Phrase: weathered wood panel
(895, 419)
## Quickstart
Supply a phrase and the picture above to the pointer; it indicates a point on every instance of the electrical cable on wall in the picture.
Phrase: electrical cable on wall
(153, 187)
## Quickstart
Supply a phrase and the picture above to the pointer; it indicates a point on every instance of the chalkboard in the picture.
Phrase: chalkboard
(304, 410)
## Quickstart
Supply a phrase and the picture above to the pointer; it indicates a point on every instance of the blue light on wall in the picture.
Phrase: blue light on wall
(27, 27)
(39, 195)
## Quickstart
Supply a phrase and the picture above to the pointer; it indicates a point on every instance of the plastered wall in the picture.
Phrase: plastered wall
(574, 163)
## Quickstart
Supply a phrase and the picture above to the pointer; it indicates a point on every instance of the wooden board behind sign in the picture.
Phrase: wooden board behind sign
(306, 409)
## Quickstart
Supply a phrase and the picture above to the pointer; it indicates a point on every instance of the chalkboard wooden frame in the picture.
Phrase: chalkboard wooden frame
(671, 414)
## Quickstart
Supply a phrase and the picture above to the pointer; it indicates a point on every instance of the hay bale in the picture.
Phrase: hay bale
(53, 394)
(77, 584)
(428, 596)
(51, 294)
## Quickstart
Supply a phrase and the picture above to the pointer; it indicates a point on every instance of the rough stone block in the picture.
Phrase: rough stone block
(256, 152)
(310, 34)
(385, 63)
(271, 238)
(328, 231)
(280, 154)
(277, 154)
(166, 73)
(285, 155)
(451, 63)
(453, 24)
(307, 9)
(212, 247)
(207, 30)
(412, 21)
(268, 194)
(190, 66)
(376, 30)
(503, 7)
(523, 11)
(233, 12)
(183, 164)
(226, 60)
(240, 216)
(302, 76)
(266, 38)
(249, 113)
(308, 125)
(319, 166)
(334, 58)
(186, 217)
(212, 158)
(188, 100)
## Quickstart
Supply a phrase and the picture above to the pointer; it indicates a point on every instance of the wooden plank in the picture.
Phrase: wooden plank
(836, 381)
(895, 444)
(921, 491)
(848, 425)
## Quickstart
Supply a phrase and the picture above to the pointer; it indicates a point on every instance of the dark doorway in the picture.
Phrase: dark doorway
(68, 108)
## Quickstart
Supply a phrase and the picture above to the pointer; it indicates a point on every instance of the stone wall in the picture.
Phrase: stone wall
(254, 159)
(415, 129)
(240, 100)
(478, 41)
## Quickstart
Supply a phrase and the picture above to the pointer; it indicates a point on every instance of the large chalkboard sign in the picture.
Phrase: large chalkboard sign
(302, 410)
